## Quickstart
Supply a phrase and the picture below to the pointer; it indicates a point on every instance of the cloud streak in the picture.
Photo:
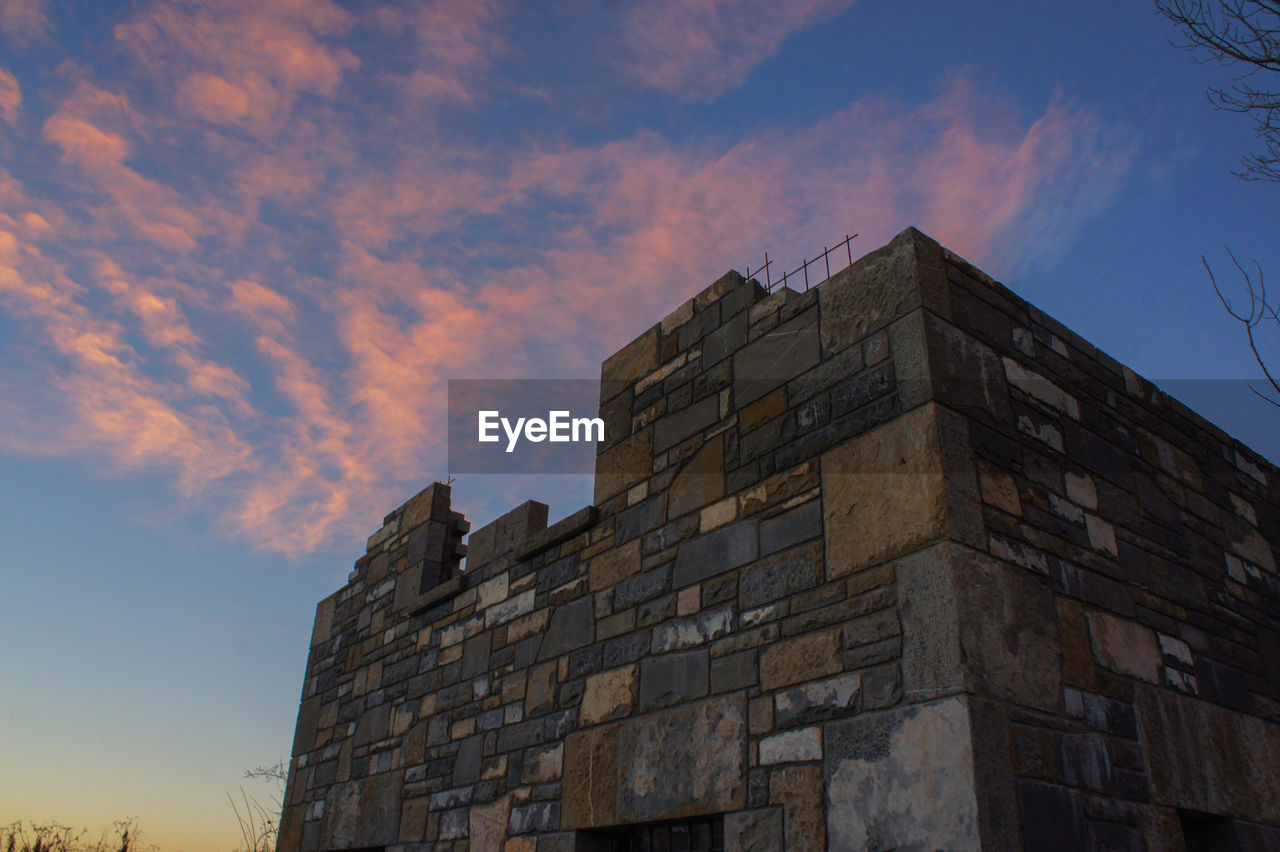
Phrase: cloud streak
(252, 294)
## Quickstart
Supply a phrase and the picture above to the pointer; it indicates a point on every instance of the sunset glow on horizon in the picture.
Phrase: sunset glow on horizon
(244, 246)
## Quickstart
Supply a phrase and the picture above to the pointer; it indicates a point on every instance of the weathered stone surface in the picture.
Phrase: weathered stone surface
(818, 700)
(1125, 646)
(779, 577)
(799, 790)
(623, 465)
(488, 824)
(685, 761)
(1209, 758)
(902, 779)
(591, 778)
(792, 747)
(700, 481)
(615, 565)
(931, 657)
(633, 361)
(692, 630)
(1008, 631)
(758, 830)
(807, 657)
(876, 289)
(884, 493)
(608, 695)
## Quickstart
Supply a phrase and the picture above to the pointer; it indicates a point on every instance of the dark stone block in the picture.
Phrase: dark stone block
(714, 553)
(641, 588)
(537, 816)
(791, 527)
(625, 649)
(857, 392)
(466, 764)
(777, 579)
(475, 655)
(725, 340)
(1052, 820)
(829, 373)
(584, 661)
(674, 428)
(572, 626)
(641, 518)
(673, 678)
(736, 671)
(770, 361)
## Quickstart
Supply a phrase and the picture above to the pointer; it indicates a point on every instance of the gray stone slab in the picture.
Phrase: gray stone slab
(791, 527)
(673, 678)
(758, 830)
(715, 552)
(572, 626)
(776, 358)
(689, 421)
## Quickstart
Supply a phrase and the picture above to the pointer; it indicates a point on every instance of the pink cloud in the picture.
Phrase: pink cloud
(10, 96)
(294, 378)
(698, 49)
(23, 20)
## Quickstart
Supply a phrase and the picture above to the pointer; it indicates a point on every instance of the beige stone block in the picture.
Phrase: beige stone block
(624, 465)
(802, 658)
(998, 488)
(700, 482)
(608, 695)
(613, 566)
(521, 844)
(413, 819)
(488, 824)
(780, 488)
(689, 600)
(541, 691)
(590, 780)
(638, 358)
(718, 514)
(763, 410)
(1125, 646)
(1080, 489)
(884, 493)
(799, 790)
(1102, 536)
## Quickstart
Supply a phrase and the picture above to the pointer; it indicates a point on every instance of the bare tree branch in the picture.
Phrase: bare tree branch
(1258, 313)
(1239, 33)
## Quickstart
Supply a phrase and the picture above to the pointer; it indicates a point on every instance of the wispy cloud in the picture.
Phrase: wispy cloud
(265, 291)
(23, 20)
(698, 49)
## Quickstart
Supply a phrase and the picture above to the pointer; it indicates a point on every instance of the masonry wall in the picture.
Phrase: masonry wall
(898, 562)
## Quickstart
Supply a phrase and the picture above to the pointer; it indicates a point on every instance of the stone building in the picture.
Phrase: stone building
(898, 563)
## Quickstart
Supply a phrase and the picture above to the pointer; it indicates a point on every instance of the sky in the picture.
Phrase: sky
(244, 245)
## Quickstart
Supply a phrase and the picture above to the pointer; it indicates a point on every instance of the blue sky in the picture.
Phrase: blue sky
(244, 245)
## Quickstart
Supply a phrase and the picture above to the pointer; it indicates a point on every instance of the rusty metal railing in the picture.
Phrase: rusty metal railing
(803, 268)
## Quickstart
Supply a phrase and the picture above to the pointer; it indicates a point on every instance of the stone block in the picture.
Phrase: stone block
(685, 423)
(613, 566)
(572, 626)
(1052, 817)
(799, 790)
(683, 762)
(608, 695)
(791, 527)
(779, 577)
(775, 358)
(735, 671)
(796, 746)
(903, 779)
(1125, 646)
(715, 552)
(757, 830)
(629, 364)
(488, 824)
(807, 657)
(818, 700)
(691, 630)
(884, 493)
(591, 778)
(700, 482)
(673, 678)
(623, 465)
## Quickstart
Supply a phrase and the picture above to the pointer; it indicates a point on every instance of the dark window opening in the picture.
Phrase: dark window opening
(1203, 832)
(705, 834)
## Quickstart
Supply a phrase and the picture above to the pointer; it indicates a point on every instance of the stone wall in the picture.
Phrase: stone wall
(898, 562)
